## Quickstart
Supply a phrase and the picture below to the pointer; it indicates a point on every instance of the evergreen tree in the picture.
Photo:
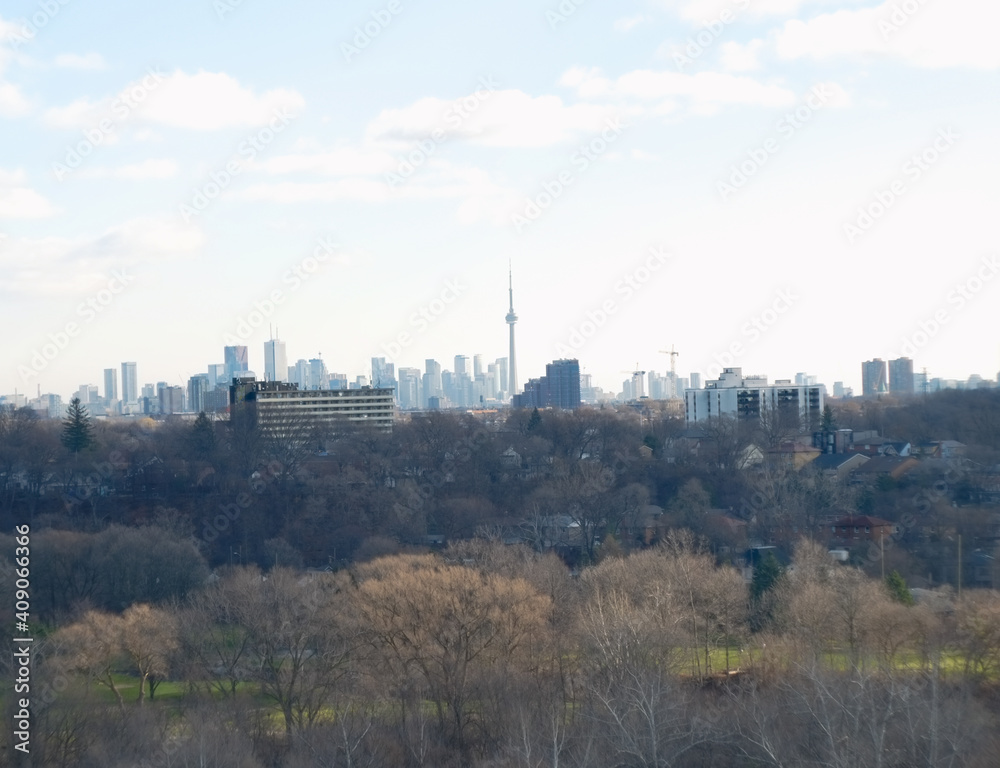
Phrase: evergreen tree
(763, 595)
(765, 576)
(78, 431)
(535, 420)
(898, 590)
(202, 436)
(829, 422)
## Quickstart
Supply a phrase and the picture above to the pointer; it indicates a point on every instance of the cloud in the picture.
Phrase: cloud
(148, 169)
(342, 161)
(75, 61)
(437, 180)
(739, 57)
(626, 24)
(959, 33)
(704, 91)
(203, 102)
(701, 11)
(20, 202)
(12, 103)
(55, 266)
(509, 118)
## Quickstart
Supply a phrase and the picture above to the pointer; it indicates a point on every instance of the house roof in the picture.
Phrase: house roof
(879, 465)
(858, 520)
(837, 460)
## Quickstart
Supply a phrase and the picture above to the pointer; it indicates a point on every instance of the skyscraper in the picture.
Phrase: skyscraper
(275, 361)
(130, 383)
(511, 319)
(901, 376)
(873, 377)
(110, 384)
(236, 362)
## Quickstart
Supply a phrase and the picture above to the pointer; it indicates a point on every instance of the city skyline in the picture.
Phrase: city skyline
(737, 179)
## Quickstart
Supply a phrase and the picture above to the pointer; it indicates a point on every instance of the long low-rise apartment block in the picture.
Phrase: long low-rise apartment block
(281, 405)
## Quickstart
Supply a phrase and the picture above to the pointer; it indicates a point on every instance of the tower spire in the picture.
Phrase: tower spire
(511, 319)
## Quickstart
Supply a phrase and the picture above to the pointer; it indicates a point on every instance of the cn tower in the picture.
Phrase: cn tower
(511, 319)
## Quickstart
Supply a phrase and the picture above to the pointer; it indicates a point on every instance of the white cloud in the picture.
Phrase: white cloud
(437, 180)
(12, 103)
(959, 33)
(23, 203)
(76, 61)
(509, 118)
(55, 266)
(739, 57)
(148, 169)
(343, 161)
(629, 23)
(203, 102)
(706, 91)
(211, 101)
(702, 11)
(18, 201)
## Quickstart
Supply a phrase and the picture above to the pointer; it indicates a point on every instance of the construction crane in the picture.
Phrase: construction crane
(637, 379)
(673, 359)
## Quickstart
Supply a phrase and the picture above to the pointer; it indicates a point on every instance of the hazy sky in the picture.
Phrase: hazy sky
(814, 182)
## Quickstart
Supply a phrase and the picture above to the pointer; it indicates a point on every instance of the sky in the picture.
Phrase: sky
(781, 185)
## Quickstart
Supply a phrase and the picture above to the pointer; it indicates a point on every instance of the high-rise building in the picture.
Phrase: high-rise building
(433, 382)
(275, 361)
(383, 373)
(130, 383)
(477, 366)
(564, 383)
(901, 376)
(110, 384)
(558, 388)
(217, 375)
(409, 388)
(511, 319)
(197, 392)
(171, 400)
(751, 397)
(874, 377)
(237, 362)
(695, 381)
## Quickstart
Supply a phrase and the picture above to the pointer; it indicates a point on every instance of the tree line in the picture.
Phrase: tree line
(495, 655)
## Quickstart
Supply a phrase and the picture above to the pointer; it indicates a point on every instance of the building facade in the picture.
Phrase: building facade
(901, 376)
(280, 405)
(751, 397)
(874, 378)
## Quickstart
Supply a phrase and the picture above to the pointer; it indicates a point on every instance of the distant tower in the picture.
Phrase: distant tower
(511, 319)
